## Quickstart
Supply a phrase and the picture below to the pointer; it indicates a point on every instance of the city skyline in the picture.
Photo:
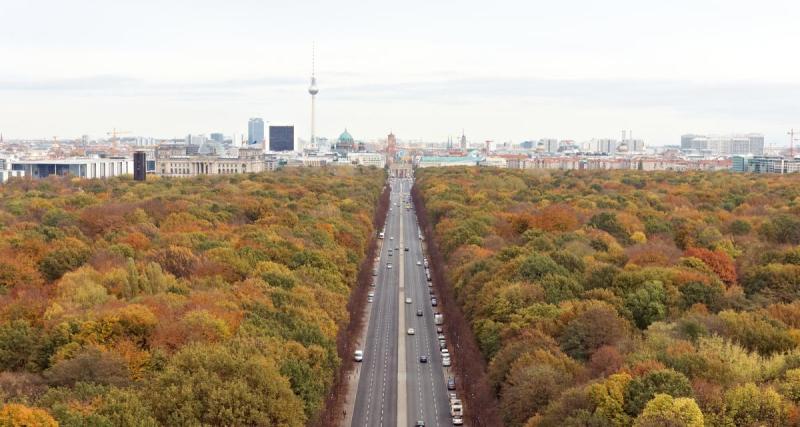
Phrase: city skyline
(505, 73)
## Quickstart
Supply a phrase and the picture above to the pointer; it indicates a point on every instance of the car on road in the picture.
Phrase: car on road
(408, 300)
(439, 330)
(440, 336)
(371, 294)
(420, 423)
(445, 353)
(406, 249)
(423, 359)
(434, 302)
(458, 421)
(451, 383)
(419, 262)
(419, 312)
(391, 237)
(388, 265)
(369, 299)
(358, 355)
(446, 362)
(411, 331)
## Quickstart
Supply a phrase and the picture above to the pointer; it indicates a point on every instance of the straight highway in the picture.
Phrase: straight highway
(394, 387)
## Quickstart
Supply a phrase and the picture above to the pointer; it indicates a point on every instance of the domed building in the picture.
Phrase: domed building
(345, 143)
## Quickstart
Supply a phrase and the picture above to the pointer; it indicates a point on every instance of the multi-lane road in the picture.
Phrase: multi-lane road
(394, 387)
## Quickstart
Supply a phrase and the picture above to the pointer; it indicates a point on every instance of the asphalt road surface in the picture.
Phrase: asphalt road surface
(395, 388)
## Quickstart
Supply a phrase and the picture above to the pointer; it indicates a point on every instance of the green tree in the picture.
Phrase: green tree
(18, 339)
(219, 385)
(595, 327)
(647, 304)
(72, 255)
(536, 266)
(608, 222)
(640, 390)
(782, 228)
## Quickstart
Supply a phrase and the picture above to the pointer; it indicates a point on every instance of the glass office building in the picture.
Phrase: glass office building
(255, 131)
(281, 138)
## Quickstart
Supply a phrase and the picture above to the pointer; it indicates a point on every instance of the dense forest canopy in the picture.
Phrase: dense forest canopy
(618, 298)
(203, 301)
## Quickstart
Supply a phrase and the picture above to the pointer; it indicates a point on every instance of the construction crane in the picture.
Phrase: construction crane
(114, 134)
(792, 140)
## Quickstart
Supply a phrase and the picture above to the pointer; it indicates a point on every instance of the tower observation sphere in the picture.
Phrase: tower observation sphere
(313, 89)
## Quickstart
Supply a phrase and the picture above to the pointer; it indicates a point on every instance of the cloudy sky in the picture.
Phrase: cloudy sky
(501, 70)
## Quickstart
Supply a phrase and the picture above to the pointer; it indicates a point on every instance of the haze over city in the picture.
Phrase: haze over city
(502, 71)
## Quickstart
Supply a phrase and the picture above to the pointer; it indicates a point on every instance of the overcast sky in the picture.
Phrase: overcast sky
(501, 70)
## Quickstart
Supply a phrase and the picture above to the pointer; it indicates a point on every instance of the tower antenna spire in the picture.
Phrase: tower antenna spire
(313, 90)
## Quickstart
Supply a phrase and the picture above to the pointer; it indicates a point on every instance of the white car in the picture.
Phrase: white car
(411, 331)
(408, 300)
(419, 263)
(446, 362)
(391, 237)
(389, 265)
(458, 421)
(359, 355)
(445, 353)
(371, 294)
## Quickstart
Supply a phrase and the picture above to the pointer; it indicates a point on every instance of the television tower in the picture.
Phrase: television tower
(313, 90)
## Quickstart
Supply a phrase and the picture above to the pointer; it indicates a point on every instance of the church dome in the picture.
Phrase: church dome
(346, 137)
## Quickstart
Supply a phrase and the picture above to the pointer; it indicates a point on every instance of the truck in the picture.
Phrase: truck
(438, 318)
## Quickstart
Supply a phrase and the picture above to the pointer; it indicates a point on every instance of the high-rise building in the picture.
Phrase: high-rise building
(218, 137)
(550, 145)
(686, 140)
(751, 143)
(608, 146)
(255, 131)
(463, 141)
(281, 138)
(139, 166)
(196, 139)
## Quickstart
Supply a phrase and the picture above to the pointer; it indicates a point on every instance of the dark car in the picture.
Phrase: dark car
(406, 249)
(423, 359)
(420, 424)
(451, 383)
